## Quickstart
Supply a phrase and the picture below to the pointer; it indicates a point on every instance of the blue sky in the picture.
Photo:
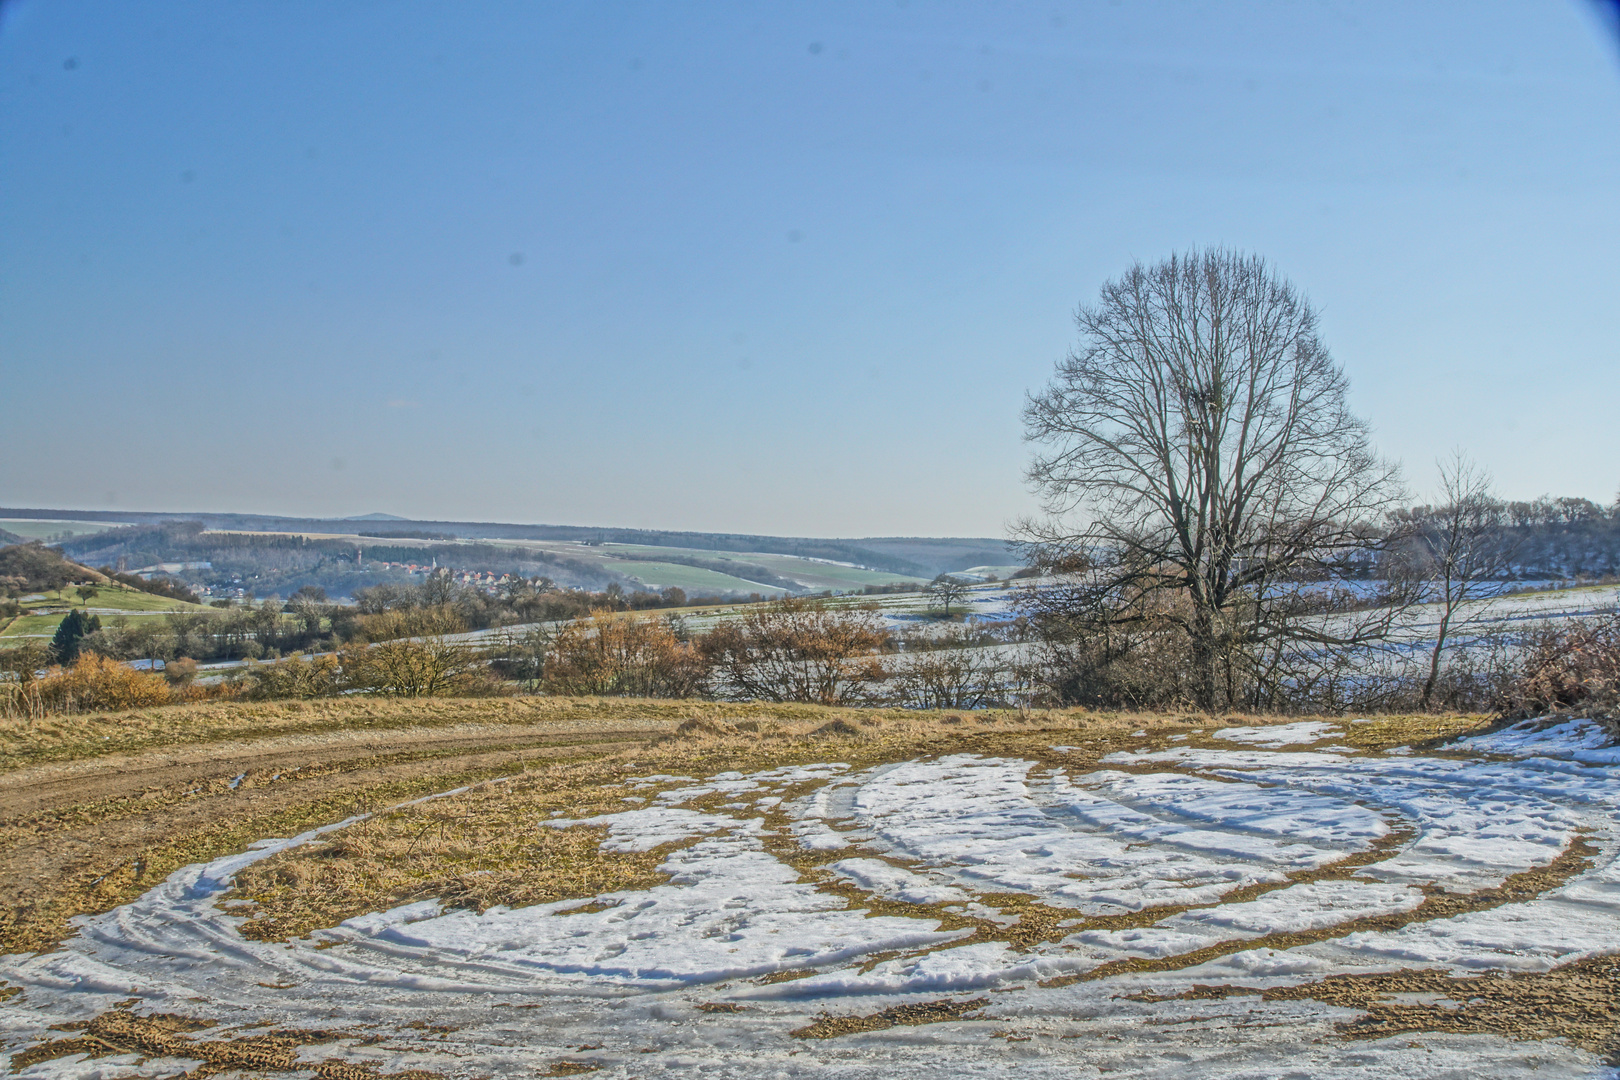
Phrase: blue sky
(763, 267)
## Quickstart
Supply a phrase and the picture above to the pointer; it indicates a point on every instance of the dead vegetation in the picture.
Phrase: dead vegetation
(476, 850)
(488, 846)
(121, 1032)
(1579, 1002)
(927, 1012)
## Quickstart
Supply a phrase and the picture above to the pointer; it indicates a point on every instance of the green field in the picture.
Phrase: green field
(114, 597)
(693, 579)
(32, 529)
(32, 626)
(130, 603)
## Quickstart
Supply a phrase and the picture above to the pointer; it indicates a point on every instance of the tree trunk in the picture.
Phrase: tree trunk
(1434, 660)
(1205, 660)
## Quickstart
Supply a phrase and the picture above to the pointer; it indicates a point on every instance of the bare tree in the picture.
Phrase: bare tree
(1462, 548)
(409, 667)
(946, 590)
(1200, 433)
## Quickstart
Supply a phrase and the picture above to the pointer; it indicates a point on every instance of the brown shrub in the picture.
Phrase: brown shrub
(1575, 669)
(623, 656)
(95, 683)
(409, 622)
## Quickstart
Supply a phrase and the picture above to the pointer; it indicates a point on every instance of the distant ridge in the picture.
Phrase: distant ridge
(912, 556)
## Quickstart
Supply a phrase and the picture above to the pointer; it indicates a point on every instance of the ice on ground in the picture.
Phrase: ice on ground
(1279, 735)
(731, 911)
(1477, 822)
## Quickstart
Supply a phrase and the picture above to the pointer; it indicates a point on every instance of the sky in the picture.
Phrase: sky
(759, 267)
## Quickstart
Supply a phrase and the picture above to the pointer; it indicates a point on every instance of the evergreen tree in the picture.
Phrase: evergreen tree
(70, 632)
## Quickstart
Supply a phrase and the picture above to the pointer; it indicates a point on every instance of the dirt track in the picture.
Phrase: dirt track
(84, 835)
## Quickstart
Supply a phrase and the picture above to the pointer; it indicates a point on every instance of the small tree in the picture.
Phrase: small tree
(946, 590)
(1461, 547)
(70, 633)
(409, 668)
(86, 593)
(624, 655)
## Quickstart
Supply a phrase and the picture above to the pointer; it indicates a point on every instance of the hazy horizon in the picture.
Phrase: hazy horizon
(753, 269)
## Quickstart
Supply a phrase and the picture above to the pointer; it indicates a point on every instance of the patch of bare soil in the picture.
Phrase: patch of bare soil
(479, 849)
(86, 830)
(927, 1012)
(1579, 1002)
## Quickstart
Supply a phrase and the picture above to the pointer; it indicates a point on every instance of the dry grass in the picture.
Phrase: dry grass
(121, 1032)
(93, 735)
(41, 919)
(1579, 1002)
(475, 850)
(484, 844)
(487, 847)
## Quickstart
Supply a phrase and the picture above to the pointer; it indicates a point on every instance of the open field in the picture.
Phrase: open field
(109, 600)
(693, 579)
(27, 626)
(34, 529)
(811, 573)
(803, 892)
(650, 564)
(112, 598)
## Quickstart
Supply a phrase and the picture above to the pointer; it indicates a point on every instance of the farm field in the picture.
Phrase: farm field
(37, 529)
(811, 573)
(522, 887)
(693, 579)
(112, 598)
(650, 565)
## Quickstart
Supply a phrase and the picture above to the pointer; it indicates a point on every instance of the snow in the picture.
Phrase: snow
(1279, 735)
(1200, 846)
(892, 882)
(1586, 741)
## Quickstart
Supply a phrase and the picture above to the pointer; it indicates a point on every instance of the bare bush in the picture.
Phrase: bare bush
(953, 675)
(423, 667)
(799, 650)
(623, 655)
(97, 684)
(295, 677)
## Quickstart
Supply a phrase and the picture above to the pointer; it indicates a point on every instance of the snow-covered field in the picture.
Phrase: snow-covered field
(1254, 858)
